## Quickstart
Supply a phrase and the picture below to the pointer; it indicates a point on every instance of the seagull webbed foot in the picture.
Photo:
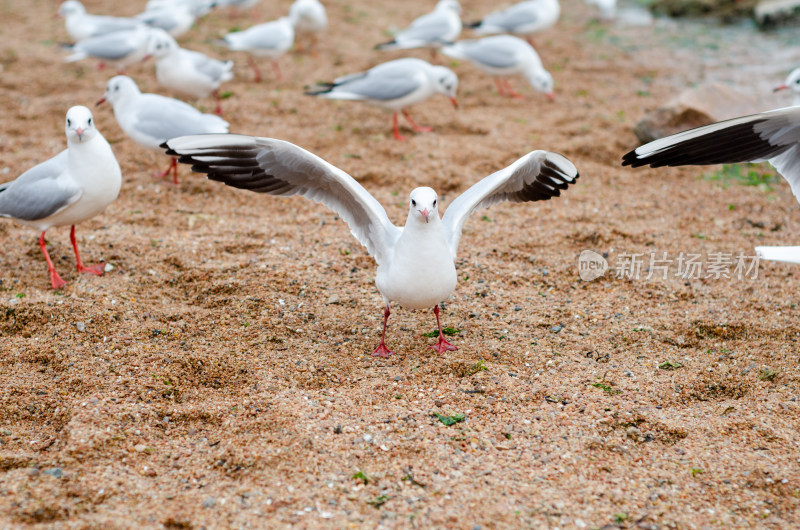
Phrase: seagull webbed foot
(382, 351)
(443, 346)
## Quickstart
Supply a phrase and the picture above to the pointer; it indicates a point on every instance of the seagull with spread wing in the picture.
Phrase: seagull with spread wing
(772, 136)
(416, 263)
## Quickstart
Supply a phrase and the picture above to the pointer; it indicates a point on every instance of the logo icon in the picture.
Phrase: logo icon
(591, 265)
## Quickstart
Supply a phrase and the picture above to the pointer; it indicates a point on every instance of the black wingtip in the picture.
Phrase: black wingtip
(630, 159)
(383, 45)
(473, 25)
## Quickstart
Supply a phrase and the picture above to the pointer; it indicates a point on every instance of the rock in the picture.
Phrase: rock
(81, 326)
(334, 299)
(556, 328)
(139, 448)
(33, 472)
(209, 502)
(53, 472)
(771, 13)
(701, 105)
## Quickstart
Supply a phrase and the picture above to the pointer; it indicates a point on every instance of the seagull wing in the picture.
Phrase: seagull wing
(267, 165)
(537, 176)
(772, 136)
(39, 192)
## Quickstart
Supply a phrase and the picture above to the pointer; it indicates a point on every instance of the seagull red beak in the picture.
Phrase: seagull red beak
(79, 131)
(425, 213)
(550, 96)
(779, 88)
(100, 101)
(454, 102)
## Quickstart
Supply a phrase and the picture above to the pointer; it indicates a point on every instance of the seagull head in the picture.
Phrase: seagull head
(449, 4)
(423, 205)
(79, 125)
(446, 82)
(71, 8)
(793, 82)
(160, 43)
(118, 88)
(541, 80)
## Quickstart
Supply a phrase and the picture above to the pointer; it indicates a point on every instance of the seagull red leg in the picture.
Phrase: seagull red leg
(94, 269)
(254, 66)
(172, 168)
(382, 350)
(500, 88)
(277, 68)
(218, 99)
(441, 346)
(414, 125)
(511, 92)
(55, 279)
(397, 135)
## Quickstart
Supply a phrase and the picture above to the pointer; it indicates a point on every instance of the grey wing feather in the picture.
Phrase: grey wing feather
(266, 165)
(380, 87)
(488, 53)
(537, 176)
(109, 47)
(168, 118)
(37, 194)
(426, 28)
(210, 67)
(512, 17)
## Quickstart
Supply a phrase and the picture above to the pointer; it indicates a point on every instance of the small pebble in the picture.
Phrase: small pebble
(139, 448)
(209, 502)
(81, 326)
(557, 328)
(53, 472)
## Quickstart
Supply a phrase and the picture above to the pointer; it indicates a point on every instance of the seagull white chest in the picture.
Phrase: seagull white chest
(421, 272)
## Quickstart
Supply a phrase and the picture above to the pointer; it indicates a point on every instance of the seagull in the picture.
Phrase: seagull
(271, 39)
(73, 186)
(151, 119)
(121, 48)
(773, 136)
(523, 18)
(81, 25)
(793, 82)
(504, 55)
(188, 72)
(176, 19)
(199, 8)
(308, 18)
(432, 30)
(395, 85)
(416, 263)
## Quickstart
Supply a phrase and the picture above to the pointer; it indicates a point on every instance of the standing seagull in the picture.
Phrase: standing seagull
(151, 119)
(73, 186)
(80, 25)
(395, 85)
(773, 136)
(186, 71)
(416, 263)
(308, 18)
(523, 18)
(432, 30)
(271, 39)
(501, 56)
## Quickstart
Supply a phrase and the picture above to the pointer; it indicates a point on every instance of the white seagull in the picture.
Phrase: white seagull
(792, 82)
(416, 263)
(121, 48)
(186, 71)
(151, 119)
(523, 18)
(176, 19)
(270, 39)
(308, 17)
(772, 136)
(80, 25)
(432, 30)
(501, 56)
(395, 85)
(73, 186)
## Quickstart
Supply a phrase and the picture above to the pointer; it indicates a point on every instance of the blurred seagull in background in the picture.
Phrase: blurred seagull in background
(270, 39)
(501, 56)
(176, 19)
(416, 263)
(121, 49)
(309, 18)
(73, 186)
(80, 25)
(185, 71)
(395, 85)
(523, 18)
(772, 136)
(432, 30)
(151, 119)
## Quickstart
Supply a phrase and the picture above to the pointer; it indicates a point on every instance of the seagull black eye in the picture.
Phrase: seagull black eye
(798, 81)
(434, 202)
(90, 122)
(69, 122)
(413, 202)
